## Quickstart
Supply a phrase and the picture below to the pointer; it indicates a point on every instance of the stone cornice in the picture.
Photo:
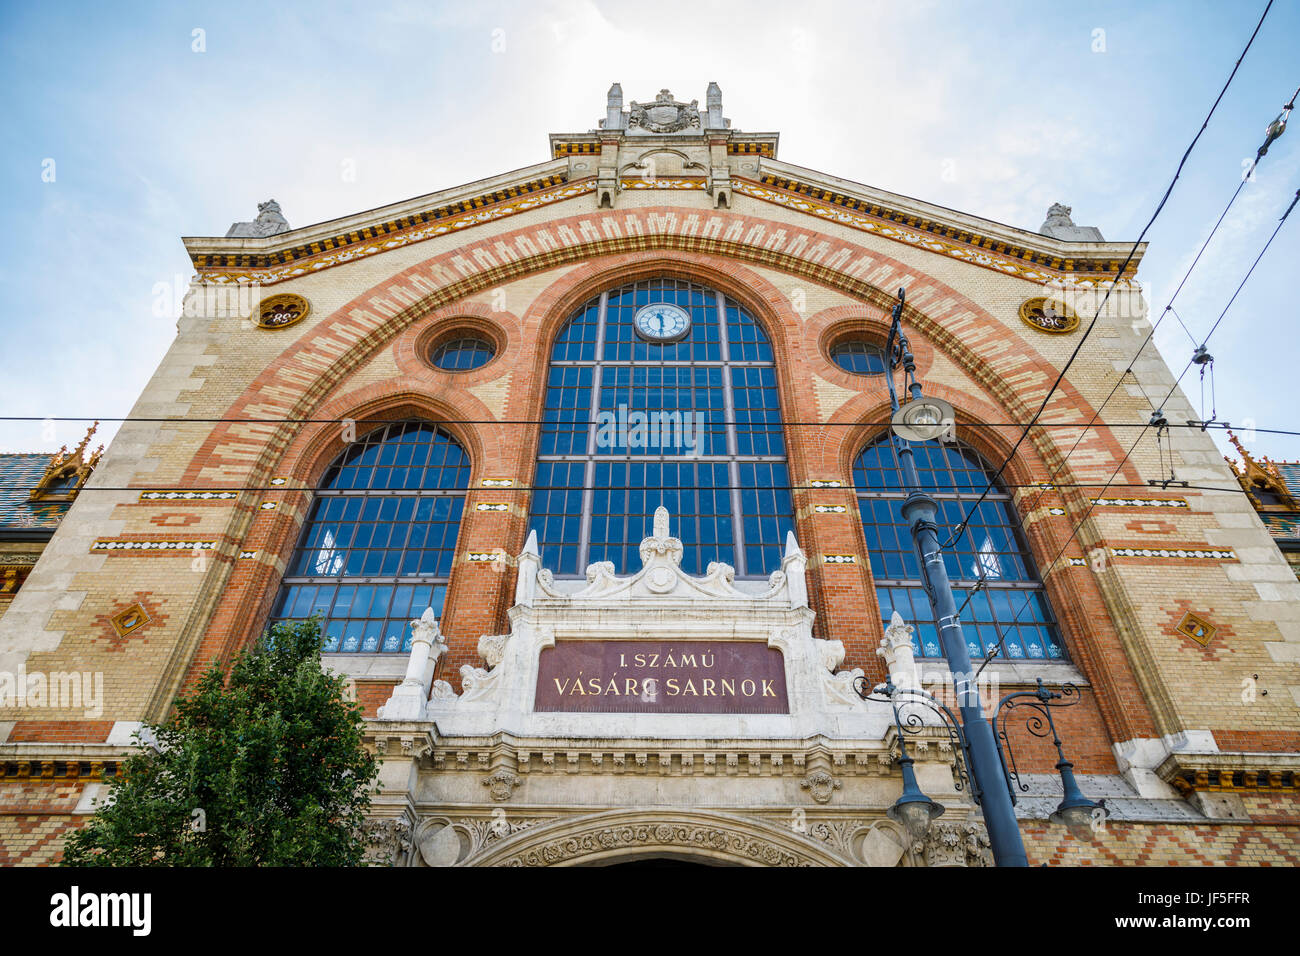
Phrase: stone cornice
(950, 225)
(937, 229)
(217, 253)
(1231, 772)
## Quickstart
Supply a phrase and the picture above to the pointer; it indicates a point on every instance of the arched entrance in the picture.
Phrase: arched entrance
(646, 835)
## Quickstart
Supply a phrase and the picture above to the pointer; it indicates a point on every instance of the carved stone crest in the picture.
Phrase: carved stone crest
(664, 115)
(501, 784)
(820, 785)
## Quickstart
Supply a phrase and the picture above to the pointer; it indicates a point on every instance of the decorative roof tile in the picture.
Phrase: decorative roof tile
(19, 474)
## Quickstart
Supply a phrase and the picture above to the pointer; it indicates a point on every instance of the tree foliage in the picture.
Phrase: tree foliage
(266, 768)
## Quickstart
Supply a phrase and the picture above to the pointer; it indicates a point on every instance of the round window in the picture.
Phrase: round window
(858, 357)
(461, 355)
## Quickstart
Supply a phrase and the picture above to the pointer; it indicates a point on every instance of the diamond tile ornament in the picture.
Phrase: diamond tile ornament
(1197, 628)
(131, 619)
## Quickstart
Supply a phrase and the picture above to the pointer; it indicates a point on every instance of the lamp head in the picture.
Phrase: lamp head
(923, 419)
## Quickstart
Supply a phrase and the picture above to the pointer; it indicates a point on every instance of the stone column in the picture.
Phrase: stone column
(411, 695)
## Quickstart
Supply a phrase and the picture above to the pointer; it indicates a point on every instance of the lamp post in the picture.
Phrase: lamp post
(921, 420)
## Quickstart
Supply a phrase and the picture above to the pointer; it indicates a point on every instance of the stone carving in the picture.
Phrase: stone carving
(269, 222)
(838, 833)
(955, 844)
(665, 115)
(475, 681)
(1059, 225)
(492, 648)
(442, 691)
(501, 784)
(820, 785)
(648, 835)
(388, 841)
(831, 652)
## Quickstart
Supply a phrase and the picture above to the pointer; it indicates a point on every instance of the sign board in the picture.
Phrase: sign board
(661, 677)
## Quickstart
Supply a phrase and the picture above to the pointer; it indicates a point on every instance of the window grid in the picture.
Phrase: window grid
(380, 539)
(719, 492)
(860, 358)
(1011, 602)
(462, 355)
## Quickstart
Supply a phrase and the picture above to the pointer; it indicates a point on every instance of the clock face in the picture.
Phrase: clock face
(662, 322)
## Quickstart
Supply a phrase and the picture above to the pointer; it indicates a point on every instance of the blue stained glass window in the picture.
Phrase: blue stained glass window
(1011, 603)
(379, 541)
(694, 425)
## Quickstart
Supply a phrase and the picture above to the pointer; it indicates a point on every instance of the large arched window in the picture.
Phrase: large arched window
(378, 545)
(1011, 603)
(681, 412)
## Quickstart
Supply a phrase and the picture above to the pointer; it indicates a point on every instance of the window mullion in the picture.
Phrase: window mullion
(729, 413)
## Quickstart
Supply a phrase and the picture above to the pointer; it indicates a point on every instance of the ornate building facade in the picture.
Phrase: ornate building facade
(582, 467)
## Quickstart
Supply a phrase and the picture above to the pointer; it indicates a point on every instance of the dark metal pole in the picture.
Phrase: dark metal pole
(920, 510)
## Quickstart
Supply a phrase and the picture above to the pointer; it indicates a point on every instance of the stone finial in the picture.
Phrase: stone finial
(661, 522)
(795, 564)
(713, 103)
(425, 628)
(661, 545)
(900, 658)
(614, 108)
(269, 222)
(530, 564)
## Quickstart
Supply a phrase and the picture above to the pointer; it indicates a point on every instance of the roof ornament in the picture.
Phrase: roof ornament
(269, 222)
(1059, 225)
(67, 471)
(664, 115)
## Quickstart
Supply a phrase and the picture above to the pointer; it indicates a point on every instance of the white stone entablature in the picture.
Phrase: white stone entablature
(659, 602)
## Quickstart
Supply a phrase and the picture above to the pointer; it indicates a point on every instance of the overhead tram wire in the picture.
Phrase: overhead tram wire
(508, 489)
(1273, 132)
(1078, 525)
(1114, 282)
(367, 421)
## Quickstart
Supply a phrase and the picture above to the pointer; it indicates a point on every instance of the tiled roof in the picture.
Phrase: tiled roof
(1282, 526)
(1290, 472)
(19, 474)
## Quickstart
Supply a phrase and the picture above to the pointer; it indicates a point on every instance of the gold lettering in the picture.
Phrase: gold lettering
(560, 687)
(640, 660)
(621, 661)
(751, 689)
(729, 687)
(611, 689)
(768, 690)
(629, 685)
(654, 658)
(709, 662)
(578, 689)
(708, 687)
(688, 660)
(669, 662)
(672, 686)
(690, 689)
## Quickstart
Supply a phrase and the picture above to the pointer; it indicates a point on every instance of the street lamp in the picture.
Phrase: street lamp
(923, 419)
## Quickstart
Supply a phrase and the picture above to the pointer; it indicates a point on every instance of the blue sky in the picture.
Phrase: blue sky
(997, 110)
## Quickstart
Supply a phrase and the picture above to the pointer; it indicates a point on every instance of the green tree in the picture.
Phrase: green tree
(264, 769)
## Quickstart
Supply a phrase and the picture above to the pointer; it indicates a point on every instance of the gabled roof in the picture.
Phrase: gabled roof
(572, 173)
